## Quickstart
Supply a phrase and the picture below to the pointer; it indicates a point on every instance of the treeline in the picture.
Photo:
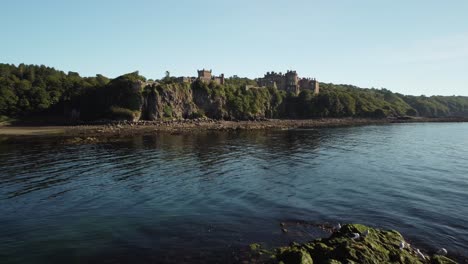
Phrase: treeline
(30, 90)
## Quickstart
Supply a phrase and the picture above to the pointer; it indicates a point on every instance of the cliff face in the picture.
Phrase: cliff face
(175, 100)
(209, 104)
(168, 101)
(130, 97)
(181, 101)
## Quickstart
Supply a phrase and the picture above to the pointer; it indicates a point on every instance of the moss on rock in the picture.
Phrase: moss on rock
(436, 259)
(295, 254)
(372, 247)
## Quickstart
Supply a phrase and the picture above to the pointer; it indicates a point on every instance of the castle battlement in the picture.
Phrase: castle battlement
(289, 82)
(205, 76)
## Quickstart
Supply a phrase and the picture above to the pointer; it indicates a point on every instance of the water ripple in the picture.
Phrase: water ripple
(217, 190)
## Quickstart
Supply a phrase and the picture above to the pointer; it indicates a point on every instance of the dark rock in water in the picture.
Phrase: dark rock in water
(380, 246)
(255, 247)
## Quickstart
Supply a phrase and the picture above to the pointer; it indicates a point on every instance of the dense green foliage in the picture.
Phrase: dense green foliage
(121, 98)
(28, 90)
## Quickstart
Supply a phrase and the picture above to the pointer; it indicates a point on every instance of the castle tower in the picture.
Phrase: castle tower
(316, 87)
(292, 82)
(309, 84)
(204, 75)
(221, 79)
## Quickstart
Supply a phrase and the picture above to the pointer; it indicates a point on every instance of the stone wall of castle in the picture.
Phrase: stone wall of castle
(218, 80)
(292, 82)
(204, 76)
(309, 84)
(289, 82)
(273, 79)
(186, 79)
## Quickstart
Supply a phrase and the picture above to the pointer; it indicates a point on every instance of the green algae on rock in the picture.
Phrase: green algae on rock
(436, 259)
(372, 247)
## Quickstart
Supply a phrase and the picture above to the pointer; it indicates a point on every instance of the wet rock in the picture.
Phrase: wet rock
(81, 140)
(295, 255)
(379, 246)
(437, 259)
(255, 247)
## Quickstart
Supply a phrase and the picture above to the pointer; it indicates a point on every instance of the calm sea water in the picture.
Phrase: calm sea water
(202, 197)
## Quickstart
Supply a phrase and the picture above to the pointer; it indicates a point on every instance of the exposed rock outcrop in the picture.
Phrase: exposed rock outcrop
(211, 105)
(180, 101)
(371, 247)
(168, 101)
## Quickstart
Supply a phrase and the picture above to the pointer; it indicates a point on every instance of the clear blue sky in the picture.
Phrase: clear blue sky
(407, 46)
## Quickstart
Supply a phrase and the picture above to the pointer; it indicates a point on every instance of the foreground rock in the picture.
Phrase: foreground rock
(372, 246)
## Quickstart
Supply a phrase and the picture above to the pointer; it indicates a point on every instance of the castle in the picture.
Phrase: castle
(289, 82)
(204, 76)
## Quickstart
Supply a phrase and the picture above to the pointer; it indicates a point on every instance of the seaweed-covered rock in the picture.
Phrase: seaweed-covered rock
(356, 243)
(295, 254)
(436, 259)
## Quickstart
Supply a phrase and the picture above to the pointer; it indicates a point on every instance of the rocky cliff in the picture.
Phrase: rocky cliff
(167, 101)
(183, 100)
(131, 97)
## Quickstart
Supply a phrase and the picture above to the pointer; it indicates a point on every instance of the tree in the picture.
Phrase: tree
(8, 101)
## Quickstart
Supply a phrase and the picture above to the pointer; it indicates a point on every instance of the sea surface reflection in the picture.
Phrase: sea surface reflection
(201, 197)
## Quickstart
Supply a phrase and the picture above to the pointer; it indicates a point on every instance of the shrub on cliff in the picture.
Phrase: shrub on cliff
(167, 111)
(119, 113)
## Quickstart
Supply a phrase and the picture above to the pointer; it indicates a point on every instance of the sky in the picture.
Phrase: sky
(411, 47)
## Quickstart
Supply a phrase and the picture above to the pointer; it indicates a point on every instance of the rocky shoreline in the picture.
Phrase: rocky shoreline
(94, 130)
(203, 124)
(352, 243)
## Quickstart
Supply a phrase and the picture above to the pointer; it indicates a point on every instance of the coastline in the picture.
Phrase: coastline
(126, 128)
